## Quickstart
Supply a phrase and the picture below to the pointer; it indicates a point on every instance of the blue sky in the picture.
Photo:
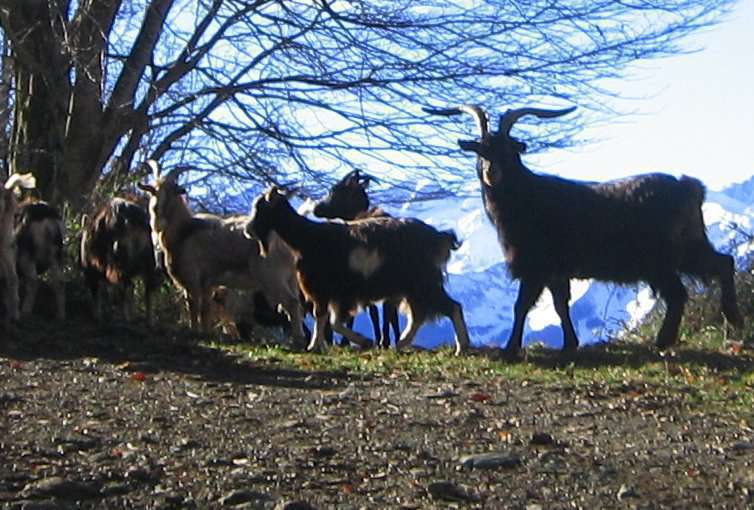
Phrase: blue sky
(694, 115)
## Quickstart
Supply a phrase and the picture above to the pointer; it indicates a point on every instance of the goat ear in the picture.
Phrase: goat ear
(468, 145)
(519, 146)
(155, 167)
(181, 190)
(147, 188)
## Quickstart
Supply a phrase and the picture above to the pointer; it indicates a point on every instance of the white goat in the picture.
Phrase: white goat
(205, 251)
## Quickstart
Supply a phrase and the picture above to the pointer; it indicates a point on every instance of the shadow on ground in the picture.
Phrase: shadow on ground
(153, 350)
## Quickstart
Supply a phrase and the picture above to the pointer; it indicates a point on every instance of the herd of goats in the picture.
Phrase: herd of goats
(645, 228)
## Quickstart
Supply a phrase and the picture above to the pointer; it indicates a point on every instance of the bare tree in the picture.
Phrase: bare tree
(267, 90)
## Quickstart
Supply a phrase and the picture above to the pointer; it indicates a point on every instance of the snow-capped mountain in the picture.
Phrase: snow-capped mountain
(477, 276)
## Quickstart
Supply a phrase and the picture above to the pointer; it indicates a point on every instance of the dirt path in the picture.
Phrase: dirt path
(103, 424)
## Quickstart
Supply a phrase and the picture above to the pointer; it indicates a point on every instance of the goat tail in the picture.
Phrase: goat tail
(694, 188)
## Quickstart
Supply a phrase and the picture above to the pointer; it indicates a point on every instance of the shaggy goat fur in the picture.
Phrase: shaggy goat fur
(202, 252)
(116, 247)
(643, 228)
(8, 274)
(39, 232)
(344, 266)
(348, 200)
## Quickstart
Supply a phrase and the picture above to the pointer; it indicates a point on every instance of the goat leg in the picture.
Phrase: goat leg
(675, 296)
(351, 335)
(528, 293)
(561, 295)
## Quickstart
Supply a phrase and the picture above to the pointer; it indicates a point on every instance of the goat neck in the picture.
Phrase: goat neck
(272, 212)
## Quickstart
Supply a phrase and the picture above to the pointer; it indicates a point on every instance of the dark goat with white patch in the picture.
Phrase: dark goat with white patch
(39, 232)
(344, 266)
(116, 247)
(348, 200)
(644, 228)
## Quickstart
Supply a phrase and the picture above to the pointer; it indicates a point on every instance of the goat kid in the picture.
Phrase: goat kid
(39, 231)
(343, 266)
(116, 247)
(8, 275)
(348, 200)
(644, 228)
(203, 252)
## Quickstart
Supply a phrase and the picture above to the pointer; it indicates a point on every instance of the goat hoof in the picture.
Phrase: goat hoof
(513, 355)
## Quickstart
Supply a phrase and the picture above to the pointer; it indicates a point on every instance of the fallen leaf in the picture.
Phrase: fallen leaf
(138, 376)
(480, 397)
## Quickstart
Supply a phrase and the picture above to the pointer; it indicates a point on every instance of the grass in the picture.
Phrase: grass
(706, 370)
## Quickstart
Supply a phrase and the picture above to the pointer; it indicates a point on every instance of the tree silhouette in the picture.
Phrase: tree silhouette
(272, 90)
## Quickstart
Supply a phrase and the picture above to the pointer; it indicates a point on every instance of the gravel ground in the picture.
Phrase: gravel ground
(103, 422)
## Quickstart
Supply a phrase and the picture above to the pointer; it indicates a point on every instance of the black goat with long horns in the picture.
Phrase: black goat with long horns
(643, 228)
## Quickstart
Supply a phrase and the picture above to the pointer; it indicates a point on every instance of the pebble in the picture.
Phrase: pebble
(59, 487)
(294, 505)
(241, 496)
(491, 460)
(448, 491)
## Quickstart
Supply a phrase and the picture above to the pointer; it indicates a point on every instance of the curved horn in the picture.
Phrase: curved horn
(353, 174)
(367, 178)
(474, 110)
(511, 116)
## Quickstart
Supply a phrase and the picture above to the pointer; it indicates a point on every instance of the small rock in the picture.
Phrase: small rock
(58, 487)
(626, 492)
(239, 497)
(140, 474)
(542, 439)
(491, 460)
(441, 395)
(448, 491)
(742, 446)
(294, 505)
(45, 504)
(321, 452)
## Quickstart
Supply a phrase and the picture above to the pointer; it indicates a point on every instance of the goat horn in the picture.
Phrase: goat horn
(511, 116)
(474, 110)
(353, 174)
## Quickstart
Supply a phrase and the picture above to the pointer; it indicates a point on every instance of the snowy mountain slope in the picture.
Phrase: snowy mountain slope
(478, 279)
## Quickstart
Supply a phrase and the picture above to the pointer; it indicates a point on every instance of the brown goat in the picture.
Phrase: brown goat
(39, 232)
(8, 274)
(344, 266)
(644, 228)
(116, 247)
(203, 252)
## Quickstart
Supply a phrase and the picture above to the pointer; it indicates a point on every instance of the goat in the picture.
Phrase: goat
(238, 311)
(116, 247)
(39, 231)
(348, 200)
(203, 252)
(342, 266)
(8, 275)
(643, 228)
